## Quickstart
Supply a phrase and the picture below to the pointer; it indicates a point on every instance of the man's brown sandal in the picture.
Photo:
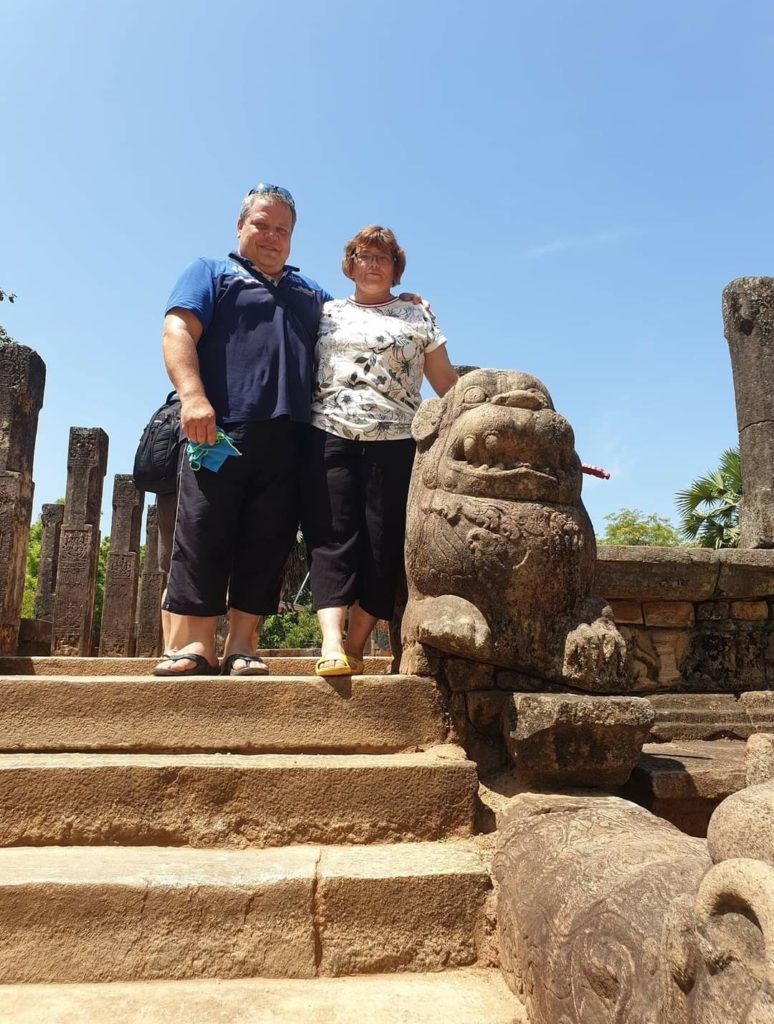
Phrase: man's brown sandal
(201, 666)
(254, 666)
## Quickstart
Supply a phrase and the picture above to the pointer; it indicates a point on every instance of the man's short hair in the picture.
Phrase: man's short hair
(379, 238)
(272, 193)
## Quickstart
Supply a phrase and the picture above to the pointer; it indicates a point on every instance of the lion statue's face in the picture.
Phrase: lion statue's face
(496, 435)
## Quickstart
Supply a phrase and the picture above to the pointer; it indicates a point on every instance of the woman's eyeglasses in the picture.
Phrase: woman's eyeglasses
(381, 259)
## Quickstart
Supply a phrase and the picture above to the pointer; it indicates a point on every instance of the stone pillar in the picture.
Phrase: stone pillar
(51, 518)
(22, 381)
(748, 318)
(152, 584)
(76, 575)
(122, 574)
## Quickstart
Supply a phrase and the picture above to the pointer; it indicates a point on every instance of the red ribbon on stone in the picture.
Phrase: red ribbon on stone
(595, 471)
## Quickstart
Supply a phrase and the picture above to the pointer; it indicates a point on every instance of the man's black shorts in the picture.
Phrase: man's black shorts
(235, 528)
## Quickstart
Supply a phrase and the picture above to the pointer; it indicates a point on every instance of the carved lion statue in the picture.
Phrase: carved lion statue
(500, 552)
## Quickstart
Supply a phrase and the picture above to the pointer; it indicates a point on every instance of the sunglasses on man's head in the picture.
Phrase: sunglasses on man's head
(277, 190)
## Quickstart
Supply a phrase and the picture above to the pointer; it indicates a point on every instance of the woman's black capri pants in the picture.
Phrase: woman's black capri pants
(354, 520)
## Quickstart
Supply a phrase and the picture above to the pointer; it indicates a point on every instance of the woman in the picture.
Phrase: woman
(372, 352)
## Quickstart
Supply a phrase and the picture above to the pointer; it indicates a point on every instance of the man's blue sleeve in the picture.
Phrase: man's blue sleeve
(195, 291)
(323, 295)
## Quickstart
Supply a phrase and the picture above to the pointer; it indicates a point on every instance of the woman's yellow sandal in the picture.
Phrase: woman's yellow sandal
(333, 665)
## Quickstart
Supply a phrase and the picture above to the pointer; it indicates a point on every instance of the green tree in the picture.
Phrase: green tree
(31, 570)
(291, 629)
(99, 594)
(631, 526)
(709, 508)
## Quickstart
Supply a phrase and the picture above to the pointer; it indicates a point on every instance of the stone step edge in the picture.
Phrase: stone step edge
(441, 756)
(447, 997)
(686, 770)
(208, 801)
(215, 680)
(120, 914)
(249, 714)
(745, 702)
(51, 665)
(143, 865)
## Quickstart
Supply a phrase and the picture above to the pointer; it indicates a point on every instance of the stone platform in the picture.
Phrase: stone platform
(451, 997)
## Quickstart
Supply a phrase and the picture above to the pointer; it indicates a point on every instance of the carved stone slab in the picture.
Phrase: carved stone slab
(79, 542)
(572, 740)
(748, 317)
(152, 583)
(585, 884)
(608, 915)
(22, 381)
(51, 517)
(123, 570)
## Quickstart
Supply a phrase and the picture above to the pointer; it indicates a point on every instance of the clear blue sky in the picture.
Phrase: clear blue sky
(574, 183)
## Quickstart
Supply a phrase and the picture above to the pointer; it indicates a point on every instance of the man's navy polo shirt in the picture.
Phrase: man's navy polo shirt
(257, 347)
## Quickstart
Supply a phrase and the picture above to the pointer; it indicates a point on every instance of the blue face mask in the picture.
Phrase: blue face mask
(211, 456)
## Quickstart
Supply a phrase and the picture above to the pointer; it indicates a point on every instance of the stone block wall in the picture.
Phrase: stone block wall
(696, 620)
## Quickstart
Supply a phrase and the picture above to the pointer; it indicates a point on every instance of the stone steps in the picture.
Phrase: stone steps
(452, 997)
(128, 914)
(247, 714)
(233, 800)
(710, 716)
(684, 781)
(277, 849)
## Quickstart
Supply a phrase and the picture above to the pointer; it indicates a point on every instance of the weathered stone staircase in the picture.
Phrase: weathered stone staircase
(238, 849)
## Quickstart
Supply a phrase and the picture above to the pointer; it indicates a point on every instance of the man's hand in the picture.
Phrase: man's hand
(197, 419)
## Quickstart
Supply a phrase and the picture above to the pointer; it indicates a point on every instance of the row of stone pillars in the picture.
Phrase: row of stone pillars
(70, 541)
(69, 555)
(131, 608)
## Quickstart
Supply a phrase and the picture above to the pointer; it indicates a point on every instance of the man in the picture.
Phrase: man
(238, 342)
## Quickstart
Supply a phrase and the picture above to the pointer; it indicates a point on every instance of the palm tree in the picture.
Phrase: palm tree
(709, 508)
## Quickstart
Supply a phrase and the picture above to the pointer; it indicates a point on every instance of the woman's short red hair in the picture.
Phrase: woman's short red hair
(379, 238)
